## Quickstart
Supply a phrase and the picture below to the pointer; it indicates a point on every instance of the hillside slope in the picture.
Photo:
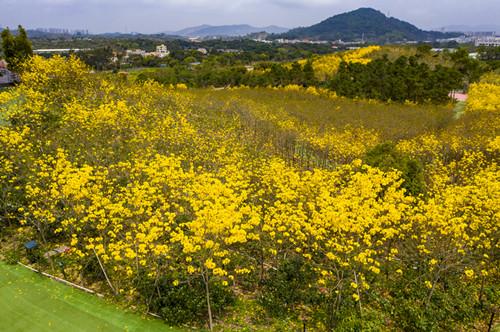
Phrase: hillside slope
(364, 23)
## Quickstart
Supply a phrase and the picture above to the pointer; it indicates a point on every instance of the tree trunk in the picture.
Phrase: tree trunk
(105, 274)
(207, 293)
(490, 325)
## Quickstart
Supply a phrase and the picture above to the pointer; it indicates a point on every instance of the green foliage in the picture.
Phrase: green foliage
(402, 80)
(8, 44)
(186, 302)
(290, 288)
(208, 74)
(414, 78)
(249, 51)
(417, 308)
(424, 49)
(490, 55)
(385, 156)
(99, 58)
(470, 69)
(349, 320)
(366, 23)
(421, 53)
(16, 49)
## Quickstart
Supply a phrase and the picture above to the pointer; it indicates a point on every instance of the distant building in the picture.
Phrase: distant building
(440, 50)
(474, 55)
(60, 50)
(481, 34)
(488, 41)
(306, 41)
(460, 40)
(77, 32)
(228, 50)
(162, 51)
(136, 52)
(203, 51)
(262, 40)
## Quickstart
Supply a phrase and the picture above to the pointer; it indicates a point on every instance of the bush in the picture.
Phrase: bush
(386, 157)
(289, 288)
(452, 306)
(186, 303)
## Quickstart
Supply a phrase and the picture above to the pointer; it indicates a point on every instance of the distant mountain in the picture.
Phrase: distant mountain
(472, 28)
(190, 31)
(225, 30)
(367, 23)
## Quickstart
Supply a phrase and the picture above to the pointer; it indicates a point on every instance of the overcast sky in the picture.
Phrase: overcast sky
(150, 16)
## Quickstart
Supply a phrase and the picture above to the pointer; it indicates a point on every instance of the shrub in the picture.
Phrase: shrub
(386, 157)
(289, 288)
(186, 302)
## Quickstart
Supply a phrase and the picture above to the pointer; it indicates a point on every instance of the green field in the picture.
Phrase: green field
(31, 302)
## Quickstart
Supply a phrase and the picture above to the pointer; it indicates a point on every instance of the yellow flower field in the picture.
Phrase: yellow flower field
(156, 188)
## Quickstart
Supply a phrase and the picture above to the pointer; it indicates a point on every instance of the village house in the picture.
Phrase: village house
(161, 52)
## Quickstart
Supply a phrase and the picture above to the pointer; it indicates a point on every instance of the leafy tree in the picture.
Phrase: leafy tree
(401, 80)
(470, 68)
(490, 55)
(424, 49)
(16, 49)
(288, 289)
(99, 58)
(8, 45)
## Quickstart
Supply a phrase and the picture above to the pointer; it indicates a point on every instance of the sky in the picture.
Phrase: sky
(152, 16)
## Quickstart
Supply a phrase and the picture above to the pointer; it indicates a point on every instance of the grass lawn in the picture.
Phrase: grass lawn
(31, 302)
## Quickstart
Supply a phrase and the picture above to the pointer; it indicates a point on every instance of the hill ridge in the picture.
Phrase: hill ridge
(364, 23)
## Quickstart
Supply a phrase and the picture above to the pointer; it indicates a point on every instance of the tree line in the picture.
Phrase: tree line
(401, 80)
(405, 79)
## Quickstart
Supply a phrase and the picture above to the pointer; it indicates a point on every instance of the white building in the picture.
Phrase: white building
(488, 41)
(203, 51)
(136, 52)
(162, 51)
(474, 55)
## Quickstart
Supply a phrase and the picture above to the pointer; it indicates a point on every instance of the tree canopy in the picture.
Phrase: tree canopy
(16, 49)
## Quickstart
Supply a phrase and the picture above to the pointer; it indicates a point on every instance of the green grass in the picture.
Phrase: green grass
(31, 302)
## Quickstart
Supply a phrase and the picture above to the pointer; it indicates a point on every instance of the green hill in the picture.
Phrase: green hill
(364, 23)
